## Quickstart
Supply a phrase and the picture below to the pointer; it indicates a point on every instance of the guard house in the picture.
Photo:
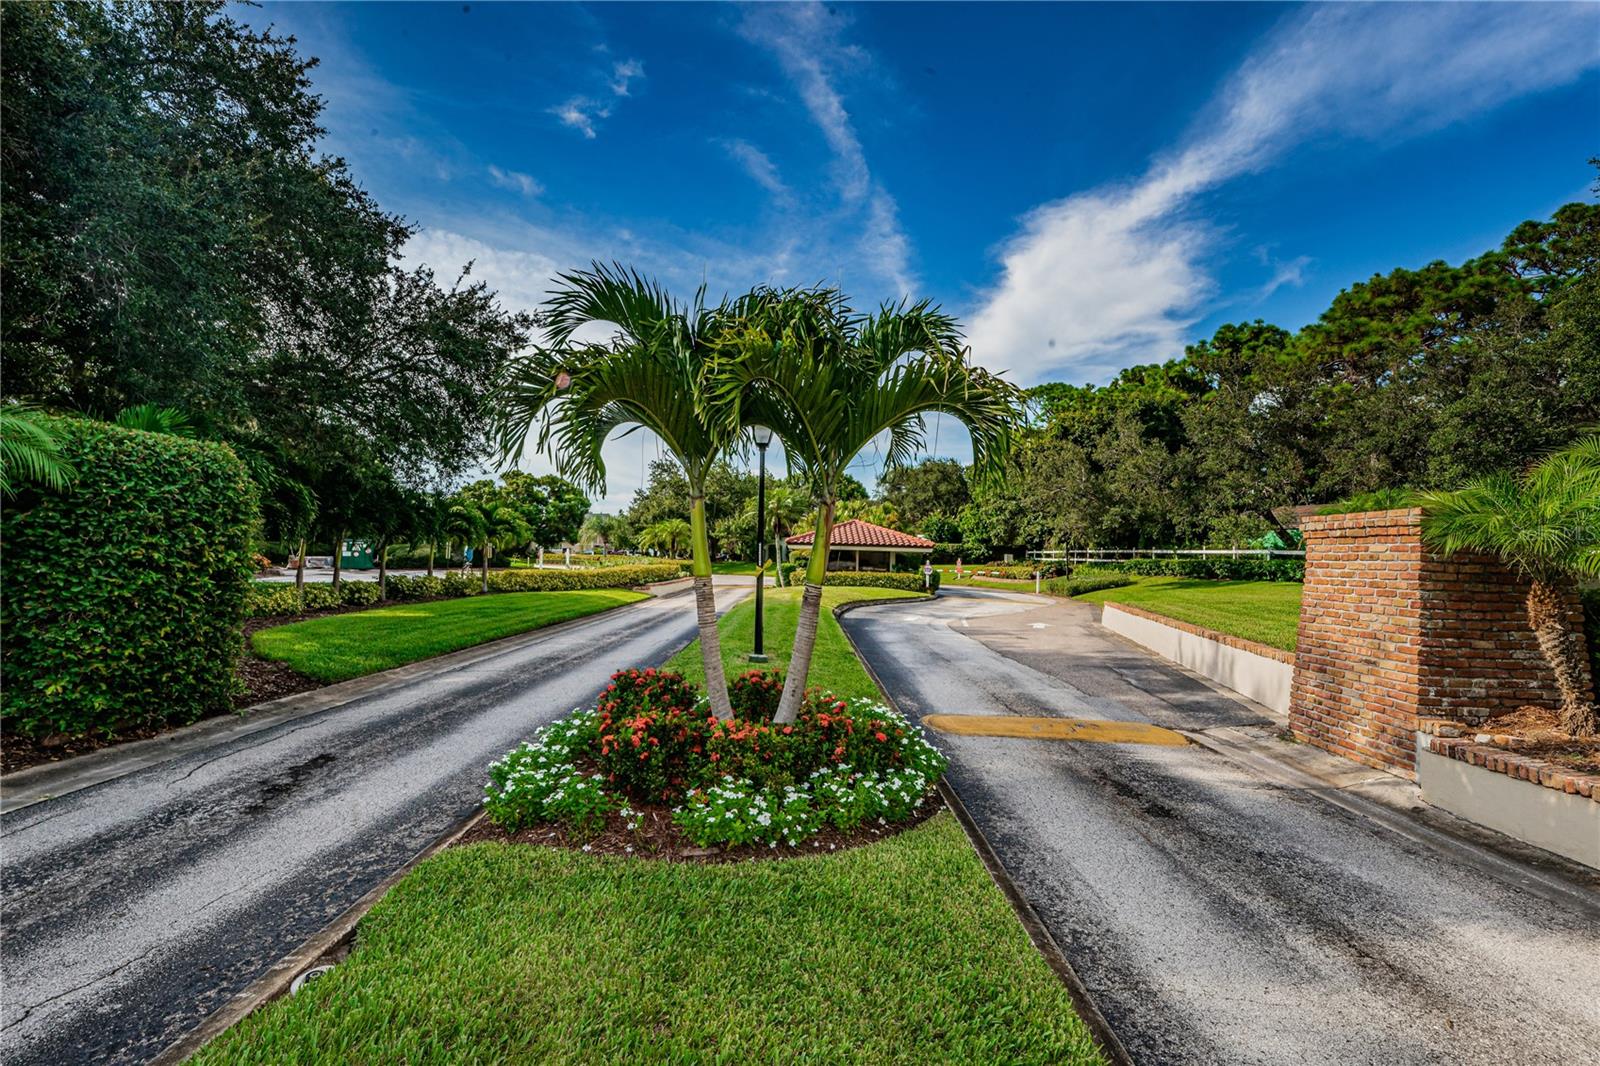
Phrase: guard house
(859, 545)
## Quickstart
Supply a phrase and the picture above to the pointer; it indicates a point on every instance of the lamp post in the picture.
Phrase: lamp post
(763, 437)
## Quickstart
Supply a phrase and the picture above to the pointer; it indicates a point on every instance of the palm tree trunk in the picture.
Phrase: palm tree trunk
(300, 576)
(338, 556)
(486, 567)
(705, 612)
(430, 558)
(383, 570)
(1562, 648)
(805, 630)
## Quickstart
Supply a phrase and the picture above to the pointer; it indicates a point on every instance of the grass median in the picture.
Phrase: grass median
(1267, 612)
(903, 951)
(342, 646)
(833, 664)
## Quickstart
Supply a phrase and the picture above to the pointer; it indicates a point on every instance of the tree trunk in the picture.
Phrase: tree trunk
(300, 576)
(430, 558)
(486, 568)
(705, 612)
(805, 631)
(383, 570)
(1562, 648)
(338, 557)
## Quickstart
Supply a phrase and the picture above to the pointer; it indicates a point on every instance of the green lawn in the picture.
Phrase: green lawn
(1264, 611)
(834, 663)
(342, 646)
(901, 952)
(742, 567)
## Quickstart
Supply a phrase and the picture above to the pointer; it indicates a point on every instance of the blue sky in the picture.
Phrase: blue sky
(1086, 186)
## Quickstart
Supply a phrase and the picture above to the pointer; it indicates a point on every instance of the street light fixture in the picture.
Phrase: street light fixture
(763, 437)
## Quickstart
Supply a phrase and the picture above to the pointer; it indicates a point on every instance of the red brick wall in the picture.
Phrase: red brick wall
(1389, 631)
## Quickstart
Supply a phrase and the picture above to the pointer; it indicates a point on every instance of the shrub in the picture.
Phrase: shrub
(794, 573)
(124, 596)
(1078, 584)
(650, 738)
(1213, 567)
(599, 577)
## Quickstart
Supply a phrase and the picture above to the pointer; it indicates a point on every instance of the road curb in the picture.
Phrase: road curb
(1032, 924)
(325, 942)
(47, 781)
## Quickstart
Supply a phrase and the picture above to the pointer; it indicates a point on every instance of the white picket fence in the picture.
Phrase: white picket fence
(1115, 555)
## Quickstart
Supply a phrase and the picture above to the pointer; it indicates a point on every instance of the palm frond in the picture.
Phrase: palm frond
(30, 451)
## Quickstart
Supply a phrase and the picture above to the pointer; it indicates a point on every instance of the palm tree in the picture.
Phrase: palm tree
(464, 522)
(830, 382)
(154, 418)
(666, 535)
(601, 529)
(30, 450)
(1545, 525)
(648, 376)
(785, 507)
(504, 526)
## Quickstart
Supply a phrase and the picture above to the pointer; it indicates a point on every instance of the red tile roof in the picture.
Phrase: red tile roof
(860, 534)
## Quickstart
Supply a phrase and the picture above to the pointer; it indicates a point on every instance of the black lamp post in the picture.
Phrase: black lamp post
(763, 437)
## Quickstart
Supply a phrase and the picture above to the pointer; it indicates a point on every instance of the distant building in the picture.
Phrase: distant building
(860, 545)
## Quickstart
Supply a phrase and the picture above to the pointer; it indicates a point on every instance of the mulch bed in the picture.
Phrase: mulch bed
(1536, 731)
(659, 838)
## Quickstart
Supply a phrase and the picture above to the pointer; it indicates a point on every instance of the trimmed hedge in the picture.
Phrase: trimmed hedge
(270, 599)
(794, 573)
(125, 595)
(1078, 584)
(1212, 567)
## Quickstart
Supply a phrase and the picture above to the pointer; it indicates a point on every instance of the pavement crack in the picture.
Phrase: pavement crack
(90, 983)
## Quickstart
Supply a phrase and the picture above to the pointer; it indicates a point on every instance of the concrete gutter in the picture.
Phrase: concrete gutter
(330, 944)
(49, 780)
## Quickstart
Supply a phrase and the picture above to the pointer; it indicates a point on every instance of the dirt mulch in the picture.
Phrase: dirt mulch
(1536, 731)
(659, 838)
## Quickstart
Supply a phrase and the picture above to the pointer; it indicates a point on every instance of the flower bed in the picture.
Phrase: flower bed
(650, 755)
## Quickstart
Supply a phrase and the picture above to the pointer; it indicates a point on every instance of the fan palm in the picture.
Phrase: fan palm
(579, 395)
(830, 382)
(30, 450)
(154, 418)
(1544, 524)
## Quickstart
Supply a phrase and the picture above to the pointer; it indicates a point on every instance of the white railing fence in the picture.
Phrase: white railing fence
(1114, 555)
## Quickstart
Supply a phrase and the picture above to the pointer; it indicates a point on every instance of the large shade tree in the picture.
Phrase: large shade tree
(1545, 524)
(573, 396)
(831, 382)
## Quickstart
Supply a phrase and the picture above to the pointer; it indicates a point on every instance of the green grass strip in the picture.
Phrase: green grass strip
(1267, 612)
(833, 664)
(339, 647)
(901, 952)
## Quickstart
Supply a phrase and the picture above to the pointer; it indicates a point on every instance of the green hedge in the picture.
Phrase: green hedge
(1079, 583)
(270, 599)
(794, 573)
(124, 596)
(1213, 567)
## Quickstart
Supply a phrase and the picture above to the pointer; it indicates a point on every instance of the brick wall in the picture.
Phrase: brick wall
(1389, 632)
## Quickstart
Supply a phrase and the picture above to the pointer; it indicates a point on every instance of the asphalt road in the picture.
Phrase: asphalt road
(1216, 914)
(133, 908)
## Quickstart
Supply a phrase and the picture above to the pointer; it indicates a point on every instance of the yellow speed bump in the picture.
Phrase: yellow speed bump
(1098, 731)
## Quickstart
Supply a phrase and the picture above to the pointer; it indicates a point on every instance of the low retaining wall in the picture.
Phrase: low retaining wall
(1262, 673)
(1525, 798)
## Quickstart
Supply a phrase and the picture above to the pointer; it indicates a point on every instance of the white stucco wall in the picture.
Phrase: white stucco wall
(1261, 679)
(1555, 821)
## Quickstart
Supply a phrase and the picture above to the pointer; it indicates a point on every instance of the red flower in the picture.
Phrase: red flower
(881, 737)
(788, 729)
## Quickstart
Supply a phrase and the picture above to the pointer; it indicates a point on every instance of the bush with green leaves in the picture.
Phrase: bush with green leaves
(1212, 567)
(794, 572)
(1078, 584)
(125, 594)
(652, 739)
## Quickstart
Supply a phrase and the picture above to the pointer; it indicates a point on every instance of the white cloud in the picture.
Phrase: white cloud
(1116, 275)
(623, 73)
(805, 38)
(581, 114)
(515, 181)
(1291, 272)
(756, 163)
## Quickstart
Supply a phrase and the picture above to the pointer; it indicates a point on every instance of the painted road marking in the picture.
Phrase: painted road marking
(1077, 729)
